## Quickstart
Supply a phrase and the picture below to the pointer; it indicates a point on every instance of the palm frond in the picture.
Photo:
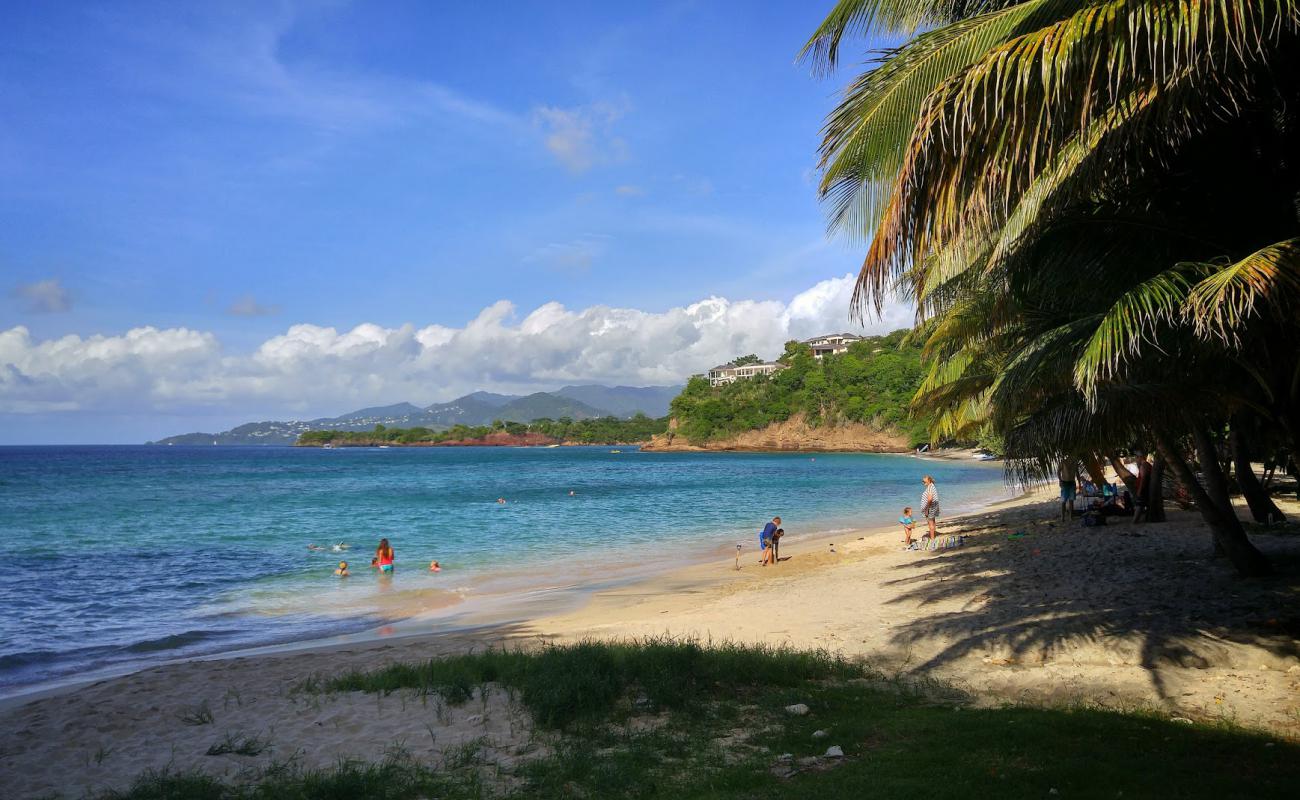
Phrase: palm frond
(865, 136)
(1221, 303)
(861, 17)
(1135, 319)
(984, 135)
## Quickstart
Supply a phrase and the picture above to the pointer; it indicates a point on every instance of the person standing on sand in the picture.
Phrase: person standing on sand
(1144, 488)
(384, 555)
(930, 504)
(1067, 475)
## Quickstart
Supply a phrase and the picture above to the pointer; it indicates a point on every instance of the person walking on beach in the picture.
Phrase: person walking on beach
(930, 505)
(766, 541)
(1067, 476)
(384, 556)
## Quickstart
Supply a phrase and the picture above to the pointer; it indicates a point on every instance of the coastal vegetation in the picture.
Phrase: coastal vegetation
(1096, 209)
(872, 383)
(600, 430)
(677, 718)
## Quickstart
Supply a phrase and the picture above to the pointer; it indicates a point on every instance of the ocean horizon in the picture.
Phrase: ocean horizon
(125, 556)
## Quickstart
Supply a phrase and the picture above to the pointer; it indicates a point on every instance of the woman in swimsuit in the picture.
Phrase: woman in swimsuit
(384, 555)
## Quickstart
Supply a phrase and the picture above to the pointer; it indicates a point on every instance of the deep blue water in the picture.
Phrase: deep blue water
(132, 555)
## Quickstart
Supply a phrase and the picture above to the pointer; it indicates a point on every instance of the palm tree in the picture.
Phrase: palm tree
(1095, 206)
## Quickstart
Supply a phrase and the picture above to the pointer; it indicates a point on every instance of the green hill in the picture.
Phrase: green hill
(872, 383)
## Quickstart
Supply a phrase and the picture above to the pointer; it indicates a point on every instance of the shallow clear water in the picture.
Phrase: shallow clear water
(132, 555)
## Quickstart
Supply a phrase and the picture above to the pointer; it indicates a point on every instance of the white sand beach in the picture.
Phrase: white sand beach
(1119, 616)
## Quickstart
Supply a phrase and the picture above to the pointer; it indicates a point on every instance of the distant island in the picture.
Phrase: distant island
(476, 409)
(538, 433)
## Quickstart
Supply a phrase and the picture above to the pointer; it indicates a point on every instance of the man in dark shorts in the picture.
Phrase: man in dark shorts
(1067, 476)
(1144, 488)
(766, 541)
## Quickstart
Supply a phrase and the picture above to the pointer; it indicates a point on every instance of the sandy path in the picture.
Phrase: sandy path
(1061, 615)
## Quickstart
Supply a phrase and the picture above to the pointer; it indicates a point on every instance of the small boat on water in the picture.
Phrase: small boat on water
(383, 447)
(615, 451)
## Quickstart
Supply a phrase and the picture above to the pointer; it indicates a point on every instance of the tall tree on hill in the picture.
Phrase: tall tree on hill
(1096, 207)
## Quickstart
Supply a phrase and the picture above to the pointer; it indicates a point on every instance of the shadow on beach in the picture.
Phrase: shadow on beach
(1149, 595)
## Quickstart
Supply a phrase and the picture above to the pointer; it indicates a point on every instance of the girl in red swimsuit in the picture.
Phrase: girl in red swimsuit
(384, 553)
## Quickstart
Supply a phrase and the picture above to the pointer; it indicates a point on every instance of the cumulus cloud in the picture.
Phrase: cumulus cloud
(247, 306)
(45, 297)
(311, 369)
(582, 137)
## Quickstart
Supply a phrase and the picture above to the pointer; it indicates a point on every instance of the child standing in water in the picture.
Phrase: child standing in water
(342, 571)
(908, 524)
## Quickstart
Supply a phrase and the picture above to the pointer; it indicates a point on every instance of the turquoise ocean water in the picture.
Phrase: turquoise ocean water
(118, 557)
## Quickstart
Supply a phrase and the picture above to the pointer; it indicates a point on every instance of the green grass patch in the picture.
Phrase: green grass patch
(580, 683)
(674, 719)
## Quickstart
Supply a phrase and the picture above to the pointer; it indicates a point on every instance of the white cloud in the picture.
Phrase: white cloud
(247, 306)
(629, 190)
(582, 137)
(46, 297)
(311, 369)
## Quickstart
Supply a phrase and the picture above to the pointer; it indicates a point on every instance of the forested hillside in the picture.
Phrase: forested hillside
(600, 430)
(872, 384)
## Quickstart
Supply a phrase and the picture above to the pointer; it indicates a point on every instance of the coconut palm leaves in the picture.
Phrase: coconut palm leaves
(1268, 278)
(866, 136)
(1095, 205)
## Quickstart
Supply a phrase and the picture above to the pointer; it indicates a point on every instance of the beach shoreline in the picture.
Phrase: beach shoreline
(507, 596)
(1059, 616)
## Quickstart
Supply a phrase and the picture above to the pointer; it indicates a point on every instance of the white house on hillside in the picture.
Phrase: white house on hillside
(730, 373)
(831, 343)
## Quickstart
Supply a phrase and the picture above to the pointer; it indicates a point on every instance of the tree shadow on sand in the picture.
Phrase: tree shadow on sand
(1146, 595)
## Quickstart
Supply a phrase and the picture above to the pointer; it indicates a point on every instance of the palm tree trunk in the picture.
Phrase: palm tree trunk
(1156, 490)
(1207, 456)
(1225, 528)
(1092, 463)
(1130, 480)
(1262, 507)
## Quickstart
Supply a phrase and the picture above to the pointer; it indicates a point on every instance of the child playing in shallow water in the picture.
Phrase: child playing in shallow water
(434, 566)
(342, 571)
(908, 524)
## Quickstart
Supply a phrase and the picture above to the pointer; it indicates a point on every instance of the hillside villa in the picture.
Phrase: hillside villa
(831, 344)
(730, 373)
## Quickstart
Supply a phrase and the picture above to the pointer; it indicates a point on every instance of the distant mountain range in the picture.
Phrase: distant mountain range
(478, 408)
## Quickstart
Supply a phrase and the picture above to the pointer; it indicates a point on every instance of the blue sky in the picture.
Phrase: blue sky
(215, 177)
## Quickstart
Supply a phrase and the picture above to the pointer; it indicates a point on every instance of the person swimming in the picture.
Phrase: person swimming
(342, 571)
(434, 566)
(384, 555)
(340, 547)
